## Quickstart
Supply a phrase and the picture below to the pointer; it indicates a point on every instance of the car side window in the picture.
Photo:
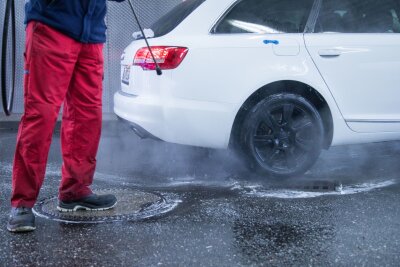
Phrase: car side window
(358, 16)
(266, 16)
(174, 17)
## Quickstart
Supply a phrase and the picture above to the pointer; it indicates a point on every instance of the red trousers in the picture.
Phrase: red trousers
(58, 70)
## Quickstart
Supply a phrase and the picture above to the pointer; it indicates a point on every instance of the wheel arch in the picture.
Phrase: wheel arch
(285, 86)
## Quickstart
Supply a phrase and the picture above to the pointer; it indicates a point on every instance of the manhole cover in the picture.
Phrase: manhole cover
(132, 204)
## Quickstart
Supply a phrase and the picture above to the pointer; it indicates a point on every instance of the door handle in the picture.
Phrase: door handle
(329, 52)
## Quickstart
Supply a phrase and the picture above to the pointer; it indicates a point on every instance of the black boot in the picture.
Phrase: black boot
(92, 202)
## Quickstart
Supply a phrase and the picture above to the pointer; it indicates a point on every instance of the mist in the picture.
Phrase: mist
(121, 152)
(153, 163)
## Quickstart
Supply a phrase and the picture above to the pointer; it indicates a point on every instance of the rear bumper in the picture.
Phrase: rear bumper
(139, 131)
(176, 120)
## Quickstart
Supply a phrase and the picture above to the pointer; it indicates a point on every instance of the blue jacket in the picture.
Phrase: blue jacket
(82, 20)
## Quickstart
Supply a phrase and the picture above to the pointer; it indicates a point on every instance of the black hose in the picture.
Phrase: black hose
(8, 104)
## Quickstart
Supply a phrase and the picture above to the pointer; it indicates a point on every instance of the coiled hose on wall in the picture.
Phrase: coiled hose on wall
(8, 98)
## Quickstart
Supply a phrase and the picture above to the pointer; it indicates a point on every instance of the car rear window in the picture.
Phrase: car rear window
(173, 18)
(355, 16)
(266, 16)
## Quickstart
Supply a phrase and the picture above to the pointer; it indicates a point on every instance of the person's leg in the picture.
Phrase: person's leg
(81, 124)
(49, 64)
(81, 128)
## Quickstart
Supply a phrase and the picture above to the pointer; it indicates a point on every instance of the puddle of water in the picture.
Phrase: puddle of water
(248, 189)
(259, 191)
(194, 181)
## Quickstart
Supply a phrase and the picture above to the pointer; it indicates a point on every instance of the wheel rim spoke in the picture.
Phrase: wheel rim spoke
(263, 140)
(270, 158)
(305, 145)
(290, 159)
(303, 125)
(287, 114)
(273, 156)
(271, 122)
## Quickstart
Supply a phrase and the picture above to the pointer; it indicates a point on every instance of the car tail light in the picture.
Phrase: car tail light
(167, 57)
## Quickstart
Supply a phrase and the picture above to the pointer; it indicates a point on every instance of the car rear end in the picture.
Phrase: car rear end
(163, 106)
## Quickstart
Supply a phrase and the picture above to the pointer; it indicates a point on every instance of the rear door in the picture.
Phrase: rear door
(355, 45)
(254, 43)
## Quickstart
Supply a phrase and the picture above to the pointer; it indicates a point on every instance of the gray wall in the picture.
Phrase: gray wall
(121, 25)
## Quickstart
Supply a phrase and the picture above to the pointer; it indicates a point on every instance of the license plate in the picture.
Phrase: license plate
(125, 75)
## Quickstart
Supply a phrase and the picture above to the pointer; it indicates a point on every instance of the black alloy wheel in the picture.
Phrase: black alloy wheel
(282, 135)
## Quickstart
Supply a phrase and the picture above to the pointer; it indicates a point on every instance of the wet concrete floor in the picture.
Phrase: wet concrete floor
(225, 215)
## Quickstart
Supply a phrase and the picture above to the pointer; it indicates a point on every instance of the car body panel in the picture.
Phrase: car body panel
(354, 73)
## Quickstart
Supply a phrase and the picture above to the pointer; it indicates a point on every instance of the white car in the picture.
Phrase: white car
(275, 80)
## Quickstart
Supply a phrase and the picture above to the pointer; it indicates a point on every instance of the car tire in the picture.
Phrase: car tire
(282, 136)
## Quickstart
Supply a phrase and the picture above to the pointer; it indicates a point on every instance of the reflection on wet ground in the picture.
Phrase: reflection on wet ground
(254, 239)
(345, 211)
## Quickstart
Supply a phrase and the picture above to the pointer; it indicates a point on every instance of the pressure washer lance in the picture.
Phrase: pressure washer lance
(158, 69)
(9, 15)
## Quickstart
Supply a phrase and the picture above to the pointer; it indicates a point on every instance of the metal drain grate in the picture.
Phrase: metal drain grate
(132, 205)
(313, 186)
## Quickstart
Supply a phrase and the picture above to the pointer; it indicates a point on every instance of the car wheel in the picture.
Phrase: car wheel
(282, 135)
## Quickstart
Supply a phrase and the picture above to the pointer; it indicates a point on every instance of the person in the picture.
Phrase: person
(63, 65)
